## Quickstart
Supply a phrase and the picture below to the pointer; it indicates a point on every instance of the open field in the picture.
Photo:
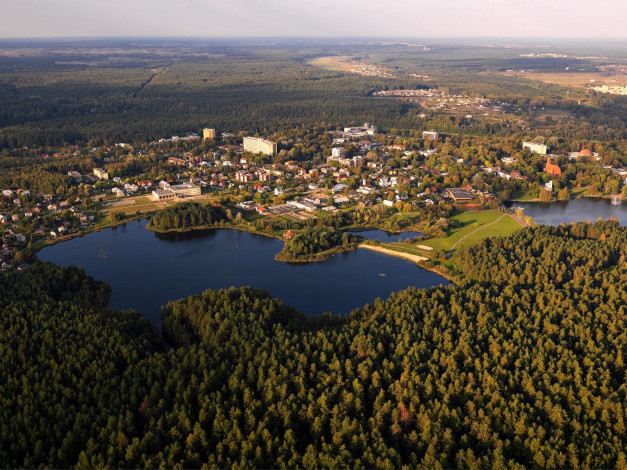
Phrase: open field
(574, 80)
(130, 205)
(331, 63)
(473, 229)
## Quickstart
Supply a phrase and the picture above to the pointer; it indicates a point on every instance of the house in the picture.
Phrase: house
(289, 235)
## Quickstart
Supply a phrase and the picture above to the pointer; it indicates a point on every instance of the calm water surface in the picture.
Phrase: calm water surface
(383, 236)
(575, 210)
(146, 270)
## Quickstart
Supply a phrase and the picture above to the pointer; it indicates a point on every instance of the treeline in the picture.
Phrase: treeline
(186, 215)
(504, 370)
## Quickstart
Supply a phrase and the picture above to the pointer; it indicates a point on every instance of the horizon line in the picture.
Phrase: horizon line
(344, 37)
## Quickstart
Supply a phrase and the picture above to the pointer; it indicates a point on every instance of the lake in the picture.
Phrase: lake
(383, 236)
(574, 210)
(146, 270)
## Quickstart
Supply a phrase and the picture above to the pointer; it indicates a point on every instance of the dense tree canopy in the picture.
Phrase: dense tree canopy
(186, 215)
(521, 365)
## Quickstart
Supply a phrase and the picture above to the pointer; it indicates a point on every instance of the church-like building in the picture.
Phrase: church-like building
(552, 169)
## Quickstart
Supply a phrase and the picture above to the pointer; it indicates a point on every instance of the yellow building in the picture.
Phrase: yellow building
(208, 133)
(101, 173)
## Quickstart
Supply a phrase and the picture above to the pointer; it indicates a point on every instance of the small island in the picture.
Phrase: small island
(315, 244)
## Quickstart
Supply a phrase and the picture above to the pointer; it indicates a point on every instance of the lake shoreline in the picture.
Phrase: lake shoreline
(620, 197)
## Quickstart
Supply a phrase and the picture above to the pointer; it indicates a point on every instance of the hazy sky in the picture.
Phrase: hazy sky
(400, 18)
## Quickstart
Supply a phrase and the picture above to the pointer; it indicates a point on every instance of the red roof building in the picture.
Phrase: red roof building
(552, 169)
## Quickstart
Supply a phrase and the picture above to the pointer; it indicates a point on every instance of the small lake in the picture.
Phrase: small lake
(574, 210)
(146, 270)
(383, 236)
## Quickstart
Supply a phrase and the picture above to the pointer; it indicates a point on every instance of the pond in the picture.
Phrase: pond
(574, 210)
(383, 236)
(146, 270)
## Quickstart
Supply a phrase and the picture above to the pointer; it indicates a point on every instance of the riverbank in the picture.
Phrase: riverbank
(421, 261)
(48, 241)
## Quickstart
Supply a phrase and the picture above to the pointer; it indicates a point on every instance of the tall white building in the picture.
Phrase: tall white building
(258, 145)
(537, 148)
(338, 152)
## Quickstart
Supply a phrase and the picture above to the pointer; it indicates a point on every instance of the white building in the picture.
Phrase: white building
(537, 148)
(338, 152)
(258, 145)
(430, 135)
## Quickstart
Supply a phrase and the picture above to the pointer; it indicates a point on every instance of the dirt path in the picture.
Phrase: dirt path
(518, 220)
(474, 231)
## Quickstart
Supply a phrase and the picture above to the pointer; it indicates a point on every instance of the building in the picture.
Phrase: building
(101, 174)
(185, 189)
(76, 176)
(430, 135)
(537, 148)
(338, 152)
(243, 176)
(208, 133)
(367, 129)
(552, 169)
(459, 194)
(182, 190)
(257, 145)
(163, 194)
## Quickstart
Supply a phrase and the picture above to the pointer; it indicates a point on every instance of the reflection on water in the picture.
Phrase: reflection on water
(575, 210)
(147, 270)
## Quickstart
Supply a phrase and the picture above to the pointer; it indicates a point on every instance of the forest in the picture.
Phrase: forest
(149, 90)
(522, 364)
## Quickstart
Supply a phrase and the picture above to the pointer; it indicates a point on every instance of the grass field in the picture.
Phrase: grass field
(474, 228)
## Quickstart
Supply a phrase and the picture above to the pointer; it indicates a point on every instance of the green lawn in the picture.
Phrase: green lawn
(471, 221)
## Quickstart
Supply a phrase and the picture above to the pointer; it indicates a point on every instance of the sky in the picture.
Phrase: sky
(274, 18)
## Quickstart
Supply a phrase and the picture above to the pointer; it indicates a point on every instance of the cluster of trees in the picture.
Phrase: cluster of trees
(521, 365)
(311, 241)
(186, 215)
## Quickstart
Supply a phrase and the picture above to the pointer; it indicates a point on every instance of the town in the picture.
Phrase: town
(297, 178)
